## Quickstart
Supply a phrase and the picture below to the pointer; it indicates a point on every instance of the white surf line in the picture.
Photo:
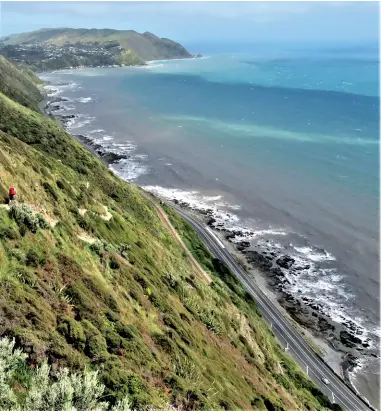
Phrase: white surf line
(215, 237)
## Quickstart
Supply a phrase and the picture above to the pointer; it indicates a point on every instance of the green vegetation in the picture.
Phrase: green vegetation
(46, 390)
(26, 218)
(19, 84)
(118, 296)
(51, 49)
(146, 46)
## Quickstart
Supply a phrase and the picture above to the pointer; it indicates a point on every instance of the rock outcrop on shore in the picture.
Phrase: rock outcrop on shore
(54, 108)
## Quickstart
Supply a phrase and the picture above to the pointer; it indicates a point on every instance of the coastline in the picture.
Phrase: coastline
(267, 278)
(146, 63)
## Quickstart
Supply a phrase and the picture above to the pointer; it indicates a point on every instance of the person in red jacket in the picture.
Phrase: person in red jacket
(12, 193)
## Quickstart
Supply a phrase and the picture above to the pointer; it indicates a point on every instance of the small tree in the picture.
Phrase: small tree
(23, 214)
(62, 392)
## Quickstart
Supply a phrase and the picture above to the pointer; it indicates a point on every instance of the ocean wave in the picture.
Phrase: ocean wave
(123, 148)
(61, 107)
(315, 254)
(79, 121)
(129, 170)
(196, 202)
(150, 66)
(69, 124)
(141, 156)
(56, 89)
(52, 91)
(150, 62)
(84, 99)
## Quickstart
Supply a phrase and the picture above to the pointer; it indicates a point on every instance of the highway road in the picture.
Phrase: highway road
(337, 390)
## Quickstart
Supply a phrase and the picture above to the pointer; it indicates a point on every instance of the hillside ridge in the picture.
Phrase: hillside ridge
(59, 48)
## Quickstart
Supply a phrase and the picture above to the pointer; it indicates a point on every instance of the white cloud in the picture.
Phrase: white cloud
(225, 10)
(197, 20)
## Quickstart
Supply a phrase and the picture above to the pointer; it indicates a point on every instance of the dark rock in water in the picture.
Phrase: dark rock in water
(230, 235)
(276, 277)
(324, 325)
(285, 261)
(106, 156)
(203, 212)
(348, 339)
(58, 100)
(258, 259)
(112, 157)
(351, 361)
(244, 244)
(64, 118)
(290, 298)
(54, 108)
(276, 271)
(304, 267)
(211, 221)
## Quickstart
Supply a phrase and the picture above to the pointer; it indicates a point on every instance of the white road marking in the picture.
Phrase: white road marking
(215, 237)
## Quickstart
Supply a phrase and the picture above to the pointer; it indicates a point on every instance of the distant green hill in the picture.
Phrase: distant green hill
(19, 84)
(65, 47)
(91, 278)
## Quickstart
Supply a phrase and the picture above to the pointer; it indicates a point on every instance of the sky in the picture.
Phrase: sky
(210, 22)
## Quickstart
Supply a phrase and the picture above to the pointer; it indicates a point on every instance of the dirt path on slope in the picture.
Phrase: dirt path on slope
(164, 218)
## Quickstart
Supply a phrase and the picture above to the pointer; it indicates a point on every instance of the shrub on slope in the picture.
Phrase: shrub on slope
(46, 390)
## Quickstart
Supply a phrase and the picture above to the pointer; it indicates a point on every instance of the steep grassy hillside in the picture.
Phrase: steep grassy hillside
(91, 278)
(59, 48)
(19, 84)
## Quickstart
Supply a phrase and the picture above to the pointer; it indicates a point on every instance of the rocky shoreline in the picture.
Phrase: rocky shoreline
(53, 106)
